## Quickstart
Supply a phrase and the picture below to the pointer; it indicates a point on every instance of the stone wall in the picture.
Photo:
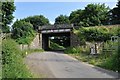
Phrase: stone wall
(74, 40)
(35, 43)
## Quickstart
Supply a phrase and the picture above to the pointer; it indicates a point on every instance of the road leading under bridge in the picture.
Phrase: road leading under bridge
(59, 65)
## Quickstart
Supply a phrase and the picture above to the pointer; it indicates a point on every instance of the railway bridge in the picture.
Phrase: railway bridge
(64, 34)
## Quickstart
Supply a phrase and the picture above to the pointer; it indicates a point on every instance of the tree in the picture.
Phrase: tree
(62, 19)
(92, 15)
(115, 14)
(22, 29)
(7, 10)
(37, 21)
(76, 16)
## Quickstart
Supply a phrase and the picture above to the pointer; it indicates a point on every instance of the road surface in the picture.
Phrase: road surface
(59, 65)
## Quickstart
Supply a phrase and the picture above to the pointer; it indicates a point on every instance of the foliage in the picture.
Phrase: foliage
(62, 19)
(25, 40)
(106, 60)
(37, 21)
(97, 33)
(98, 15)
(115, 14)
(77, 50)
(23, 32)
(112, 62)
(7, 10)
(76, 16)
(55, 46)
(12, 61)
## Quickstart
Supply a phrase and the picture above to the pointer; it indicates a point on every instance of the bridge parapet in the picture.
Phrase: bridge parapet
(56, 27)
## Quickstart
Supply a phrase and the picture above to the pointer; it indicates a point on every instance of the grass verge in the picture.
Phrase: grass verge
(105, 60)
(12, 61)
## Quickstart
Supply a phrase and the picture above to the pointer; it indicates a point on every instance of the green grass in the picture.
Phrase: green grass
(12, 61)
(55, 46)
(105, 60)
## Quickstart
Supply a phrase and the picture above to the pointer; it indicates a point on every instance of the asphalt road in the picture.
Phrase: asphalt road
(59, 65)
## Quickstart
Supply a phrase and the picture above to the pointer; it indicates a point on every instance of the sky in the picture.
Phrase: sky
(51, 9)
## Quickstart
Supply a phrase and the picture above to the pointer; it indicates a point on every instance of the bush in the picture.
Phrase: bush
(23, 32)
(112, 62)
(96, 33)
(12, 61)
(25, 40)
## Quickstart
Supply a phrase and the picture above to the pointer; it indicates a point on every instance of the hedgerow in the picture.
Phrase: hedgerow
(12, 61)
(97, 33)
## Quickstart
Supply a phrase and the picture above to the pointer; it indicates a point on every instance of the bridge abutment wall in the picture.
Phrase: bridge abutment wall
(74, 40)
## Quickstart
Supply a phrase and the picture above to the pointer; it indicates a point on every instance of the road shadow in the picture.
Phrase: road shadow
(56, 51)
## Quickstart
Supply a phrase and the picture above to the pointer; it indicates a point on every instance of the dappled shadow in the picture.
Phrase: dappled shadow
(56, 50)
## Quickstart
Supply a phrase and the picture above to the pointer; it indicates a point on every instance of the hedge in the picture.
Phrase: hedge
(12, 61)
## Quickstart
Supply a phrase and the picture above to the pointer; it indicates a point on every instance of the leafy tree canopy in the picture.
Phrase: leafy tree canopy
(37, 21)
(7, 10)
(76, 16)
(22, 29)
(62, 19)
(115, 17)
(92, 15)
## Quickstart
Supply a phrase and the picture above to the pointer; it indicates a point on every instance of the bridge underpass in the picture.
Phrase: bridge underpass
(46, 39)
(64, 32)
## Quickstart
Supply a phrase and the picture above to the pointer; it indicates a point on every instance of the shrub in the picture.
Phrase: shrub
(23, 32)
(12, 61)
(96, 33)
(25, 40)
(112, 62)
